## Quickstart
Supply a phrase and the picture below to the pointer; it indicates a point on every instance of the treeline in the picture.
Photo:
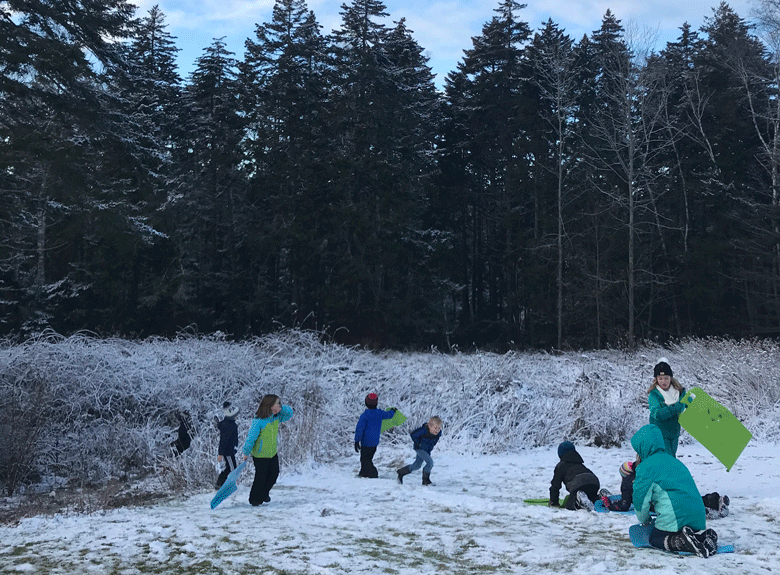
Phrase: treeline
(558, 192)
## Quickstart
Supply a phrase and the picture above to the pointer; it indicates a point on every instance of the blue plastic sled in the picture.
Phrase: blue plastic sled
(229, 487)
(599, 506)
(640, 537)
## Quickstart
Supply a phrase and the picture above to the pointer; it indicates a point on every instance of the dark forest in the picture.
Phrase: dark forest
(558, 193)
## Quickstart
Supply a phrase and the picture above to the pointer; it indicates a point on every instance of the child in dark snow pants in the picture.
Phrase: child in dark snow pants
(228, 441)
(581, 482)
(367, 432)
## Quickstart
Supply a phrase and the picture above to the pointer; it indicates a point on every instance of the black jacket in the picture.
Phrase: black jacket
(571, 472)
(228, 437)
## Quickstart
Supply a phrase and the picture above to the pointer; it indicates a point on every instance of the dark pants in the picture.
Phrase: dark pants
(657, 537)
(585, 482)
(266, 474)
(230, 465)
(367, 468)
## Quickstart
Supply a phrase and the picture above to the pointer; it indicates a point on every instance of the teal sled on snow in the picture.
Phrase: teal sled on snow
(229, 487)
(640, 537)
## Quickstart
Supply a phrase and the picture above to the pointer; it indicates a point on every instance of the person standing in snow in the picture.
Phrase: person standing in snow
(261, 445)
(425, 438)
(665, 484)
(581, 482)
(663, 399)
(367, 431)
(228, 441)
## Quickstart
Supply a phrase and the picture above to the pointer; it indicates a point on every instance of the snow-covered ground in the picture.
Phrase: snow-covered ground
(323, 519)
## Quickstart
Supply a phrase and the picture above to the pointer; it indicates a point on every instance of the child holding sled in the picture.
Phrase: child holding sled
(425, 438)
(581, 482)
(663, 482)
(261, 445)
(663, 400)
(228, 441)
(367, 432)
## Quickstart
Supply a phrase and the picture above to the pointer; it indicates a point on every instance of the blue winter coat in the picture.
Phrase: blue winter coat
(663, 481)
(369, 426)
(424, 439)
(228, 437)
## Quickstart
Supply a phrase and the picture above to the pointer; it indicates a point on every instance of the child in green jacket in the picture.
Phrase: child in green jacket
(261, 445)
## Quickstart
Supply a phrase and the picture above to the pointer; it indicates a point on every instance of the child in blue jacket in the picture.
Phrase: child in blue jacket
(228, 441)
(367, 432)
(425, 438)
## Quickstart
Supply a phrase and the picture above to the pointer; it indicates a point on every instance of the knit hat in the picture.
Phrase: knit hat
(372, 399)
(626, 469)
(662, 368)
(565, 447)
(229, 410)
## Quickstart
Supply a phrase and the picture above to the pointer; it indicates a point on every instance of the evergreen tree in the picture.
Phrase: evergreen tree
(62, 124)
(485, 107)
(212, 215)
(284, 85)
(383, 128)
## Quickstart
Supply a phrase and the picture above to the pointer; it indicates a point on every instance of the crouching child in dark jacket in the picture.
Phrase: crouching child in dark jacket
(581, 482)
(425, 438)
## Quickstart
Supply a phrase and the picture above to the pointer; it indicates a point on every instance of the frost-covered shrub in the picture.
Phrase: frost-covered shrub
(109, 409)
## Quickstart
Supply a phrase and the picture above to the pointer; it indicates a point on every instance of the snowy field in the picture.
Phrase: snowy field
(323, 519)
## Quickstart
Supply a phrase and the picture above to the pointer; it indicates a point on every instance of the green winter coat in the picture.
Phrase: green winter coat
(261, 439)
(665, 417)
(664, 482)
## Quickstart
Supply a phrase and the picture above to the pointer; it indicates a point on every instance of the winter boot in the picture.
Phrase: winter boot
(710, 540)
(403, 471)
(680, 542)
(426, 479)
(723, 509)
(711, 501)
(695, 540)
(583, 502)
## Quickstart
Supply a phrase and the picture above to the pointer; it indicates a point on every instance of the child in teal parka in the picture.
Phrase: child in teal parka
(663, 482)
(663, 399)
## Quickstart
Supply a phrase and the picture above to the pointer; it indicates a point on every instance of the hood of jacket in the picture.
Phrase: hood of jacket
(572, 457)
(647, 441)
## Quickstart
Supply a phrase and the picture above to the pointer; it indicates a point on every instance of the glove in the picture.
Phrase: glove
(357, 447)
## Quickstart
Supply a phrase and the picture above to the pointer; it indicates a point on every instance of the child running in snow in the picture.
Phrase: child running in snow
(581, 482)
(425, 438)
(663, 482)
(367, 432)
(228, 441)
(663, 399)
(714, 504)
(261, 445)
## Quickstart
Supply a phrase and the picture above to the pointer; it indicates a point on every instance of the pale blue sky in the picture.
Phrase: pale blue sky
(444, 28)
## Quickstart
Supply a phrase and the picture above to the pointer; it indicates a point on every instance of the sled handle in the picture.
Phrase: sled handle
(691, 397)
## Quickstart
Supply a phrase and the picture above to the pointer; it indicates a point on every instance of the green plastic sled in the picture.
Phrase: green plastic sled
(394, 421)
(544, 501)
(714, 426)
